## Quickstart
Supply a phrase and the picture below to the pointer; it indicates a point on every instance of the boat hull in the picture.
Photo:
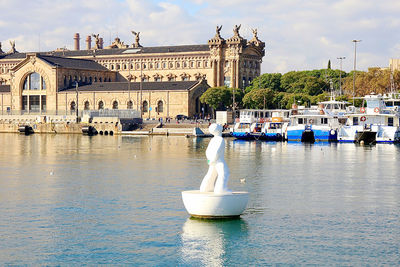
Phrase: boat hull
(320, 135)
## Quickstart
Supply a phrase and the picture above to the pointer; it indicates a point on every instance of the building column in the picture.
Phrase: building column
(238, 78)
(220, 77)
(168, 104)
(232, 82)
(40, 103)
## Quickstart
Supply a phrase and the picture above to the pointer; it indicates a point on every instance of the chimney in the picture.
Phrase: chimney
(76, 41)
(88, 42)
(101, 43)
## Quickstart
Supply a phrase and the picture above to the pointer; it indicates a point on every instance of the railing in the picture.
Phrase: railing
(119, 113)
(38, 113)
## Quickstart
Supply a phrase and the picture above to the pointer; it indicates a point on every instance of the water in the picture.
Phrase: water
(71, 199)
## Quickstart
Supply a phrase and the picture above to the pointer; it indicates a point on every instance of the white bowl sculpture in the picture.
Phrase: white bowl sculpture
(211, 205)
(214, 199)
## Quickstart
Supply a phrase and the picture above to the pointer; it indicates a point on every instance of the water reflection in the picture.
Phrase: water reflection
(208, 242)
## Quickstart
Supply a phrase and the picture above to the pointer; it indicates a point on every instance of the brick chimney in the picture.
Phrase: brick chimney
(76, 41)
(88, 42)
(101, 43)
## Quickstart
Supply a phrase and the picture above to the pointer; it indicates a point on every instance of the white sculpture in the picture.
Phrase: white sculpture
(214, 199)
(216, 179)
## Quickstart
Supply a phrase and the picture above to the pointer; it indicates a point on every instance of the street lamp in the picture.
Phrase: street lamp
(129, 83)
(340, 74)
(355, 62)
(141, 85)
(77, 101)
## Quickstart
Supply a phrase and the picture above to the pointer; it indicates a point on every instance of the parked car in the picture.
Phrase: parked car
(181, 117)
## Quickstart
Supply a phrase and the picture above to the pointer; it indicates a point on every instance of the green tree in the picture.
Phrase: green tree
(308, 85)
(259, 98)
(267, 80)
(218, 97)
(329, 64)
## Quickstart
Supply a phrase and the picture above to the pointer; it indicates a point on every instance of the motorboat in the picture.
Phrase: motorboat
(317, 123)
(374, 122)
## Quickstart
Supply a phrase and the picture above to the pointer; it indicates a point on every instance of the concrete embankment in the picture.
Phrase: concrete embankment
(106, 128)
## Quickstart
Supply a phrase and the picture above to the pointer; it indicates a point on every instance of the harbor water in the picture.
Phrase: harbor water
(72, 200)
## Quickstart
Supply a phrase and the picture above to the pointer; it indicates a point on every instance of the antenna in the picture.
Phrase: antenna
(39, 43)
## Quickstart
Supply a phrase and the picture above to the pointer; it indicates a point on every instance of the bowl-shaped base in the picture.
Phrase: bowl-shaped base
(213, 206)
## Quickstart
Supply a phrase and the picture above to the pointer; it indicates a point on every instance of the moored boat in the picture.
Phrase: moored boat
(374, 122)
(316, 124)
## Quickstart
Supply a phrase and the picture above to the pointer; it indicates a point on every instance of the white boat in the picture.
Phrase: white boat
(317, 124)
(261, 124)
(372, 123)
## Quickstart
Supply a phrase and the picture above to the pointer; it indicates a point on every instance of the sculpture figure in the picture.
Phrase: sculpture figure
(218, 30)
(254, 33)
(1, 51)
(12, 50)
(137, 38)
(216, 179)
(96, 41)
(236, 29)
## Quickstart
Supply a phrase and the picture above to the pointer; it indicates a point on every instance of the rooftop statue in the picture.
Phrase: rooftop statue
(236, 29)
(96, 41)
(12, 50)
(254, 33)
(1, 51)
(137, 38)
(218, 30)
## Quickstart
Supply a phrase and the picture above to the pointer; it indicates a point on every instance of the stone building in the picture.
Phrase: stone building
(168, 78)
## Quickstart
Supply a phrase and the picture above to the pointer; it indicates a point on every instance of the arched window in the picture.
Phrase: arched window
(160, 106)
(90, 79)
(145, 106)
(129, 105)
(115, 104)
(35, 82)
(95, 79)
(101, 105)
(87, 105)
(72, 106)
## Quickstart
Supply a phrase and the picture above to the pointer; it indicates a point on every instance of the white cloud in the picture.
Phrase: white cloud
(298, 34)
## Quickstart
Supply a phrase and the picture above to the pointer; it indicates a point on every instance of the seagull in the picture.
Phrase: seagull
(243, 181)
(51, 173)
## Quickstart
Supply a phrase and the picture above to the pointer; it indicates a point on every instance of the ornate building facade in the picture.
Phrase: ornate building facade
(43, 81)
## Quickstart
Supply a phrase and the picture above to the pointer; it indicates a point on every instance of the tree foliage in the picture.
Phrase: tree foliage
(301, 87)
(259, 98)
(375, 80)
(267, 80)
(220, 97)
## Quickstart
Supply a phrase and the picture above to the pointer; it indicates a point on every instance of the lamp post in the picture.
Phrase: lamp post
(340, 74)
(141, 85)
(129, 84)
(77, 101)
(355, 62)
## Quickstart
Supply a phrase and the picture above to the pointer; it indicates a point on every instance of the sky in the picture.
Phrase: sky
(299, 34)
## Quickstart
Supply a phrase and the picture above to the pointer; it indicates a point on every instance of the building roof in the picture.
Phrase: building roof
(5, 88)
(115, 51)
(135, 86)
(72, 63)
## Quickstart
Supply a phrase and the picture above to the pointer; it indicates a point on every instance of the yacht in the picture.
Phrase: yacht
(260, 124)
(317, 123)
(374, 122)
